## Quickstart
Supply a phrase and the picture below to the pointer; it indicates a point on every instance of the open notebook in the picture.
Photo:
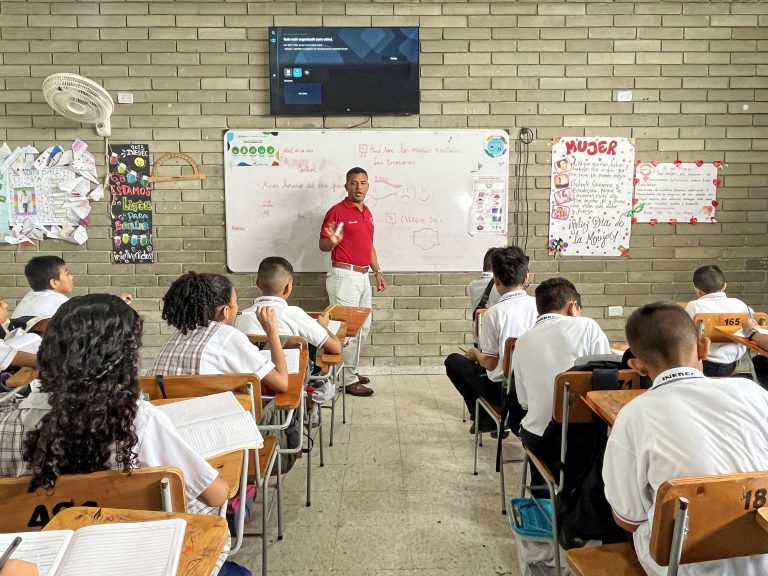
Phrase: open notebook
(214, 425)
(125, 549)
(292, 356)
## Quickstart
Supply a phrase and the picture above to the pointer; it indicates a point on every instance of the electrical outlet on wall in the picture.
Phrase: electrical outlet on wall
(615, 311)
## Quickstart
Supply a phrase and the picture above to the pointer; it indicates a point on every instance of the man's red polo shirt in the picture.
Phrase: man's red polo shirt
(357, 235)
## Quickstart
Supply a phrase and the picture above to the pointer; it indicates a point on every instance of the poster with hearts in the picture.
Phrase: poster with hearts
(590, 196)
(675, 192)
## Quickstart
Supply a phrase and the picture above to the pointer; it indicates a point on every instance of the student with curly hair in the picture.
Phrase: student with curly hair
(203, 308)
(86, 414)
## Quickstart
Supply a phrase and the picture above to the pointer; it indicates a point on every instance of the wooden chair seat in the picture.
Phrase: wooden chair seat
(491, 408)
(266, 454)
(605, 560)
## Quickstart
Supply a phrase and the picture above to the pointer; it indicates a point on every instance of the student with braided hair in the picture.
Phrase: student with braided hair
(85, 414)
(203, 308)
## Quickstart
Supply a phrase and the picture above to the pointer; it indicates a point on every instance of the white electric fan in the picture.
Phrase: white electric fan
(80, 99)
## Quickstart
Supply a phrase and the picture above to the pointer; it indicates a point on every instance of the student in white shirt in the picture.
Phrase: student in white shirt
(477, 288)
(275, 279)
(10, 356)
(479, 372)
(86, 413)
(559, 337)
(710, 285)
(203, 308)
(51, 285)
(685, 425)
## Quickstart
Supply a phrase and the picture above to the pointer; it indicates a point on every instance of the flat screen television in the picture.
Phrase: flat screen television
(339, 71)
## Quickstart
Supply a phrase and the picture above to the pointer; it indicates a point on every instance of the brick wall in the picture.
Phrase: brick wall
(698, 72)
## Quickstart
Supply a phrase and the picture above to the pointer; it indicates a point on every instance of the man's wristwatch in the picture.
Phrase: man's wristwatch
(749, 333)
(377, 272)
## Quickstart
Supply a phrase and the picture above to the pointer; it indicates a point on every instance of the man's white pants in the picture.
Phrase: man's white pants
(349, 288)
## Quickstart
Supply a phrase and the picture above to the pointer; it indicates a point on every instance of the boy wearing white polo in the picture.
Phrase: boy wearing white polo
(709, 284)
(480, 372)
(560, 336)
(685, 425)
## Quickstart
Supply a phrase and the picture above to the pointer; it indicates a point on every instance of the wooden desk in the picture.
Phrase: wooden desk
(762, 518)
(291, 398)
(608, 403)
(21, 378)
(729, 333)
(230, 467)
(204, 537)
(354, 316)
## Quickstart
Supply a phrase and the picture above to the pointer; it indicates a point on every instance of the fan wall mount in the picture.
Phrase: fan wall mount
(79, 98)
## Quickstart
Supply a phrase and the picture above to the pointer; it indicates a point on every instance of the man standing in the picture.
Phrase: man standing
(347, 233)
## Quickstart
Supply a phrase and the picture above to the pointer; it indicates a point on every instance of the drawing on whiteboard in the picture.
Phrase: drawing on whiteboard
(426, 238)
(391, 218)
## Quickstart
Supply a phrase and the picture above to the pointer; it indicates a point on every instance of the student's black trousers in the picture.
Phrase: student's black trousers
(472, 382)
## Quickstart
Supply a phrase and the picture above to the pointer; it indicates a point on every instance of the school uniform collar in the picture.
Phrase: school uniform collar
(512, 295)
(714, 296)
(674, 375)
(548, 316)
(273, 301)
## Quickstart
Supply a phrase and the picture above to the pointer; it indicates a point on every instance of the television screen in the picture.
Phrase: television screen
(342, 71)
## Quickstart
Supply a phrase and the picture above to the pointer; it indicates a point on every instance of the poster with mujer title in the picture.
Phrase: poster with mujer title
(591, 196)
(131, 204)
(676, 192)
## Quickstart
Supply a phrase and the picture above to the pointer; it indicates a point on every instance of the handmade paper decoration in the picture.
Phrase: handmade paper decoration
(676, 192)
(591, 195)
(47, 194)
(131, 204)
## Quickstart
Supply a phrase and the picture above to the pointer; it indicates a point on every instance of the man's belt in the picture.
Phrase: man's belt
(344, 266)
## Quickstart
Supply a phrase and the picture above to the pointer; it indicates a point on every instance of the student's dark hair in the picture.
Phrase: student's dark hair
(487, 264)
(355, 170)
(89, 366)
(554, 293)
(40, 270)
(509, 265)
(192, 299)
(274, 272)
(661, 334)
(709, 279)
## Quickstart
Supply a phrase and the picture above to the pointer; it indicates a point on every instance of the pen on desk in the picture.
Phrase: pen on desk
(10, 550)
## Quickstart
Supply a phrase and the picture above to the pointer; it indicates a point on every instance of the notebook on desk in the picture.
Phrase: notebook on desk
(214, 425)
(128, 549)
(292, 356)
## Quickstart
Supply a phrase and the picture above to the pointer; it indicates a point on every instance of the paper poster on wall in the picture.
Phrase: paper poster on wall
(591, 194)
(676, 192)
(131, 204)
(489, 205)
(47, 194)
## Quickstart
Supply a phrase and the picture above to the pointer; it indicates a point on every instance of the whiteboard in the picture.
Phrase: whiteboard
(438, 197)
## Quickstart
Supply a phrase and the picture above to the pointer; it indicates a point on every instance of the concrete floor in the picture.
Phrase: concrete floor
(396, 496)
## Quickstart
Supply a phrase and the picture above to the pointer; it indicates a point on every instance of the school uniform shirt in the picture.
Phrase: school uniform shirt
(716, 303)
(685, 425)
(291, 321)
(476, 289)
(511, 317)
(215, 349)
(44, 304)
(6, 355)
(549, 348)
(159, 444)
(357, 234)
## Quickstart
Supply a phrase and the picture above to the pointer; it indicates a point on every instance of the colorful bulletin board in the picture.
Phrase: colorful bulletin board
(131, 204)
(438, 197)
(676, 192)
(590, 196)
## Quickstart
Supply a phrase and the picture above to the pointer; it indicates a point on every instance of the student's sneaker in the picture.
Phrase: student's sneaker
(324, 392)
